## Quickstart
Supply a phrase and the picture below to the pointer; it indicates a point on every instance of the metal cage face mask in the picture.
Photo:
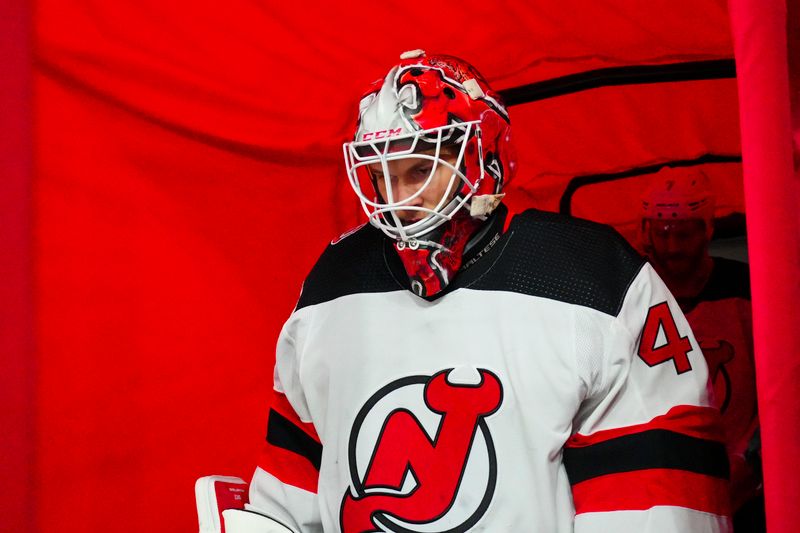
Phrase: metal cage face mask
(410, 184)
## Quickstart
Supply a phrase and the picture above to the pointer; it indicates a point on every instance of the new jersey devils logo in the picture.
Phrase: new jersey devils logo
(421, 455)
(718, 354)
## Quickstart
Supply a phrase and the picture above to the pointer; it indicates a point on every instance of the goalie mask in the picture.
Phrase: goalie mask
(430, 157)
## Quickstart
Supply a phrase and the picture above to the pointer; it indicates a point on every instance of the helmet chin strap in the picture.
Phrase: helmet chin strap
(432, 263)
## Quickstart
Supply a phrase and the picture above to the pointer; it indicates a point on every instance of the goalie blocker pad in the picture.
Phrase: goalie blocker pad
(220, 508)
(214, 494)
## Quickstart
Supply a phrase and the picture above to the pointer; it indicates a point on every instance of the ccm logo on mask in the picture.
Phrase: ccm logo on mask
(381, 134)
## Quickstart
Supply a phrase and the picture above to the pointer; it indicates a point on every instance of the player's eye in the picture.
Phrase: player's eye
(423, 171)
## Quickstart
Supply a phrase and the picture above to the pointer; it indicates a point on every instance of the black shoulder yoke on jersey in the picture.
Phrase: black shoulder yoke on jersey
(562, 258)
(356, 263)
(541, 254)
(728, 279)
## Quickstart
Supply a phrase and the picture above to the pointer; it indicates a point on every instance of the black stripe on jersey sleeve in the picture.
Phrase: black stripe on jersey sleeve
(283, 434)
(656, 448)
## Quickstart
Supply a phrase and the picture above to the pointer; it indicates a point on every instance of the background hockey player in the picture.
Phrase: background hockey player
(448, 369)
(714, 293)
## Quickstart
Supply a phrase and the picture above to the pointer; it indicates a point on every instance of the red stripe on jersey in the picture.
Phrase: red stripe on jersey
(644, 489)
(691, 420)
(289, 467)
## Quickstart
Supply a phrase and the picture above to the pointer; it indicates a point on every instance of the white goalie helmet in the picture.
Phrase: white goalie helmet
(438, 109)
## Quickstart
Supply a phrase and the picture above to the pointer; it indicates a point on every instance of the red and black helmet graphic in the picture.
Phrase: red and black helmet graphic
(439, 90)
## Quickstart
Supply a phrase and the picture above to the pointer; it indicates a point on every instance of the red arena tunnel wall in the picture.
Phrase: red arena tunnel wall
(187, 173)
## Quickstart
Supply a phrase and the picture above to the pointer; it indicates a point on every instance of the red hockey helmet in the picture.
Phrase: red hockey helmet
(425, 107)
(677, 194)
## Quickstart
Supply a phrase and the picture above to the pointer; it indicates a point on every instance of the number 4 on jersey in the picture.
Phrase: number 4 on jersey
(672, 346)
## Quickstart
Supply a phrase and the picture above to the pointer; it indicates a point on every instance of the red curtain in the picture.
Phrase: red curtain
(188, 173)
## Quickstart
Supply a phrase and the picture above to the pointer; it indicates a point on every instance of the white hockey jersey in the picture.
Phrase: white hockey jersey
(554, 386)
